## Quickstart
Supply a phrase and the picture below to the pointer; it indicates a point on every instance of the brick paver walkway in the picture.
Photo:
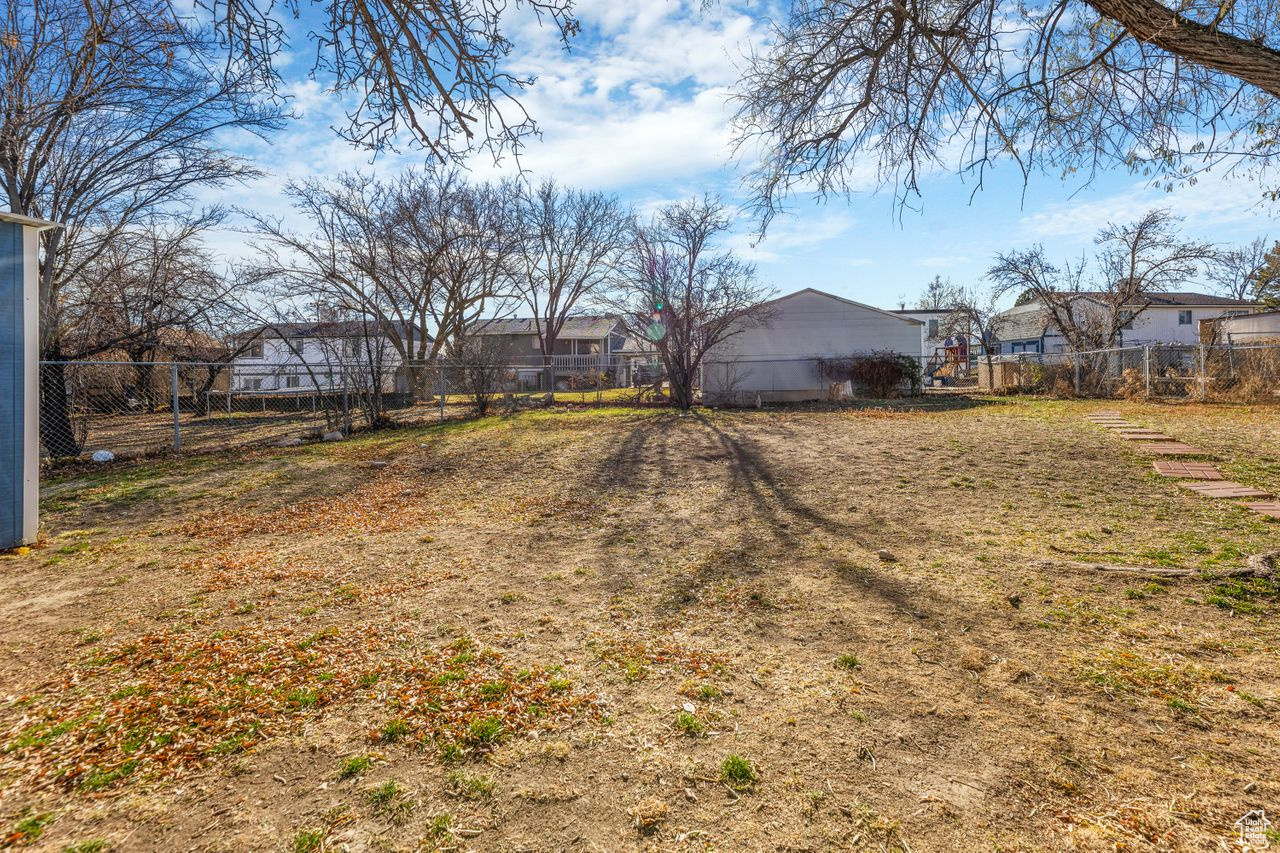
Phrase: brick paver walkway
(1187, 470)
(1226, 489)
(1199, 477)
(1171, 448)
(1271, 509)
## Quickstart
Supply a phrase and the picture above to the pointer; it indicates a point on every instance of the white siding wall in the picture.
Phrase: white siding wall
(1157, 324)
(938, 319)
(777, 361)
(1160, 325)
(1245, 330)
(280, 359)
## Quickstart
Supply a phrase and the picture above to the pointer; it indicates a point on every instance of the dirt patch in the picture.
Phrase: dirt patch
(614, 628)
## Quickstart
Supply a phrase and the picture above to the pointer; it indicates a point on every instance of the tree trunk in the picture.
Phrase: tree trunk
(1153, 23)
(57, 432)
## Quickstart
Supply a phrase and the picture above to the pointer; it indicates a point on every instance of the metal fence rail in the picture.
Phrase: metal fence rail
(1245, 373)
(132, 409)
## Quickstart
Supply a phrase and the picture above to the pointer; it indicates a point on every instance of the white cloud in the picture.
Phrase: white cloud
(614, 149)
(1212, 202)
(790, 236)
(942, 261)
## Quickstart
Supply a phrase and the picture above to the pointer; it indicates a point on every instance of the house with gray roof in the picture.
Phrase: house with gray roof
(1160, 318)
(586, 347)
(300, 357)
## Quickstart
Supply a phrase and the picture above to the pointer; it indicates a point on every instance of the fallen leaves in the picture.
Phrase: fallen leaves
(635, 655)
(174, 700)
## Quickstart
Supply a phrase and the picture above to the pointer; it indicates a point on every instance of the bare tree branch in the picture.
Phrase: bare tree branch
(855, 94)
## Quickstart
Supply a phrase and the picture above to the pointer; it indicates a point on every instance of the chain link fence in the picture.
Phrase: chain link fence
(1242, 373)
(136, 409)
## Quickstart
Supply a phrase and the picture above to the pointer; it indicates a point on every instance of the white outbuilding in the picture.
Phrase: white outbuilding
(778, 359)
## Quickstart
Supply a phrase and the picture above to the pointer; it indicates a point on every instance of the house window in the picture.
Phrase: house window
(251, 385)
(292, 381)
(1184, 318)
(1127, 325)
(933, 329)
(350, 348)
(254, 350)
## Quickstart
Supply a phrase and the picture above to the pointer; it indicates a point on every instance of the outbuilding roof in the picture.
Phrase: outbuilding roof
(574, 327)
(29, 221)
(814, 291)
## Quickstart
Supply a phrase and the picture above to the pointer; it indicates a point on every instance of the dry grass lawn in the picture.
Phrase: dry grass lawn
(619, 629)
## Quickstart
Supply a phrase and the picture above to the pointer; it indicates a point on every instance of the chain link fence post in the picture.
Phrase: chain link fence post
(177, 407)
(1077, 373)
(346, 403)
(440, 388)
(1146, 368)
(1204, 375)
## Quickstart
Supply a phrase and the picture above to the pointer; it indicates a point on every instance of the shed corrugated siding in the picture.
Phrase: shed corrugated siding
(12, 387)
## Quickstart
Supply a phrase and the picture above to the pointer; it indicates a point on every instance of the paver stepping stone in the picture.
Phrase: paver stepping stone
(1187, 470)
(1271, 509)
(1143, 435)
(1171, 448)
(1226, 489)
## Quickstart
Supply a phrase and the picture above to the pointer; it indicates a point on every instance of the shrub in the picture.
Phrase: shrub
(587, 381)
(881, 374)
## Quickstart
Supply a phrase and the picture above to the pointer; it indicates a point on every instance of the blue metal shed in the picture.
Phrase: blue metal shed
(19, 378)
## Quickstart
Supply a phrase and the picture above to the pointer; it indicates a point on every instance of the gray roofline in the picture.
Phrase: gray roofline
(910, 320)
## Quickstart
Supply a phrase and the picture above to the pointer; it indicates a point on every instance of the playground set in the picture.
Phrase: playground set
(949, 365)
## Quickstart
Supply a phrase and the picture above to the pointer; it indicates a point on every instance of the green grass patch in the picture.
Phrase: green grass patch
(1244, 595)
(737, 772)
(354, 766)
(690, 725)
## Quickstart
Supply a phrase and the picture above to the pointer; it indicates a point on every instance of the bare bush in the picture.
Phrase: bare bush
(882, 374)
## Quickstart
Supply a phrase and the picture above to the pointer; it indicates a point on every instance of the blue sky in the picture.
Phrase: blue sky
(640, 107)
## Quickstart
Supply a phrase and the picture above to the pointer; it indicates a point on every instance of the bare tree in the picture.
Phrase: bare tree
(1235, 271)
(154, 293)
(569, 242)
(437, 69)
(462, 237)
(1133, 262)
(677, 289)
(422, 256)
(149, 285)
(480, 365)
(886, 91)
(939, 295)
(108, 117)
